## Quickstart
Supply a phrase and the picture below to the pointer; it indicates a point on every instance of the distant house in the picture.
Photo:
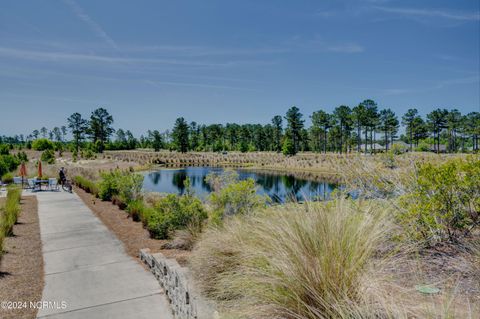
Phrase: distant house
(442, 148)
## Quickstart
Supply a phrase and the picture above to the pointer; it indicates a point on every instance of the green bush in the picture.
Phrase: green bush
(237, 198)
(8, 163)
(86, 185)
(7, 178)
(22, 156)
(48, 156)
(444, 202)
(174, 212)
(4, 149)
(42, 144)
(398, 149)
(126, 185)
(139, 211)
(423, 147)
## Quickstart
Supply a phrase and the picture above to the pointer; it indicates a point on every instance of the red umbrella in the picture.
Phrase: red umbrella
(23, 171)
(40, 169)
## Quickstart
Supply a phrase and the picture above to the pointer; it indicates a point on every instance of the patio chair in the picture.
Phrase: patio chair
(53, 184)
(31, 183)
(17, 180)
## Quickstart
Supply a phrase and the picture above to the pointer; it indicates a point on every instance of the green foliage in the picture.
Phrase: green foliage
(180, 135)
(48, 156)
(8, 163)
(86, 185)
(235, 198)
(138, 210)
(174, 212)
(287, 147)
(7, 178)
(11, 211)
(4, 149)
(43, 144)
(22, 156)
(423, 147)
(100, 128)
(398, 149)
(444, 202)
(126, 185)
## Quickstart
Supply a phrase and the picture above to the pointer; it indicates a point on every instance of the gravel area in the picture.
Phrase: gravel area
(21, 269)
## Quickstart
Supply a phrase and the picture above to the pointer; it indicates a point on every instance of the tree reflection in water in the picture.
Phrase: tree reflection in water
(280, 187)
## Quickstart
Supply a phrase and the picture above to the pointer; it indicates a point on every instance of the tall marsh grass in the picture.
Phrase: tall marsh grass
(9, 214)
(300, 261)
(11, 210)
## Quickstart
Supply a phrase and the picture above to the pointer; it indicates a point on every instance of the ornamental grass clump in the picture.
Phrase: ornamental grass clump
(10, 211)
(298, 261)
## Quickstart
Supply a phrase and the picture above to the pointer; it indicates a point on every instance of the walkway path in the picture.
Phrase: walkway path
(86, 266)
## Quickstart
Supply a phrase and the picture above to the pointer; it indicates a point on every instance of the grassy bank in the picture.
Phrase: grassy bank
(407, 248)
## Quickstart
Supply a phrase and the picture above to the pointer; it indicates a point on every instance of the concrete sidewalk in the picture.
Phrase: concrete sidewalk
(87, 268)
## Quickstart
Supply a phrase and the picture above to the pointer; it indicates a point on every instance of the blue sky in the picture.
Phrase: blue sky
(149, 62)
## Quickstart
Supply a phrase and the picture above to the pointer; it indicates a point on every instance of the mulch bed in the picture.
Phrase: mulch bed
(21, 269)
(133, 235)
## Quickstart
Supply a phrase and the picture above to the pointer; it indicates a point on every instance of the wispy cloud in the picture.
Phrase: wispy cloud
(318, 44)
(80, 57)
(436, 86)
(95, 27)
(162, 84)
(446, 14)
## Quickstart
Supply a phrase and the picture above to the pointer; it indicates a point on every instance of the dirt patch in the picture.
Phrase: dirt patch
(133, 235)
(21, 270)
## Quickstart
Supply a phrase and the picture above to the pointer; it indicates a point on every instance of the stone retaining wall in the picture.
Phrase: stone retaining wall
(176, 280)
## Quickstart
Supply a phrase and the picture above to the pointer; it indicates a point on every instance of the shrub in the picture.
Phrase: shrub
(423, 147)
(139, 211)
(22, 156)
(236, 198)
(174, 212)
(42, 144)
(4, 149)
(86, 185)
(7, 178)
(8, 163)
(11, 210)
(300, 261)
(398, 149)
(48, 156)
(126, 185)
(444, 201)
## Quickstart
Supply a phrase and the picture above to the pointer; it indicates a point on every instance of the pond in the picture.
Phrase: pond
(279, 187)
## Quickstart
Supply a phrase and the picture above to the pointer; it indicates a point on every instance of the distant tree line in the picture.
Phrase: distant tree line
(363, 128)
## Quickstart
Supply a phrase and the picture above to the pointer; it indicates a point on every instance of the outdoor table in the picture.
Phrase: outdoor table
(40, 182)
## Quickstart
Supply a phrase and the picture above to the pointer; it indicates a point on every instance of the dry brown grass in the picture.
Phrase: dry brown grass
(334, 261)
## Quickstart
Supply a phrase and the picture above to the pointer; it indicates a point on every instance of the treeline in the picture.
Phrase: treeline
(363, 128)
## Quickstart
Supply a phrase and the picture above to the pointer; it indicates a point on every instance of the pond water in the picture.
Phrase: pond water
(279, 187)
